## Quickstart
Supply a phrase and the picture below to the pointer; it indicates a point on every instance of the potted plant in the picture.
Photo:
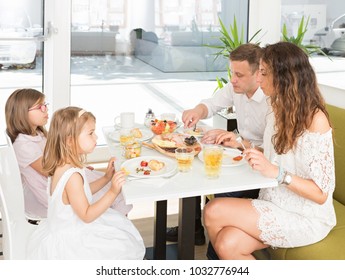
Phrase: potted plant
(298, 40)
(230, 39)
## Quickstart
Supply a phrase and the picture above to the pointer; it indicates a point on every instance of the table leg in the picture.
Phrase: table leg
(186, 228)
(159, 235)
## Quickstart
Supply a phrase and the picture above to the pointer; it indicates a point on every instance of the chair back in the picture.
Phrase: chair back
(16, 229)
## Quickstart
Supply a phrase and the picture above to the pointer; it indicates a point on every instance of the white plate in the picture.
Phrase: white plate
(147, 135)
(200, 131)
(228, 156)
(170, 166)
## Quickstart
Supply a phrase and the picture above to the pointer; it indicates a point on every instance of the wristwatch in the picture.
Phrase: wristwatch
(287, 179)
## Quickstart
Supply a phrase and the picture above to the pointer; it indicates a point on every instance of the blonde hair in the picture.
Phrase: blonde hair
(62, 141)
(17, 109)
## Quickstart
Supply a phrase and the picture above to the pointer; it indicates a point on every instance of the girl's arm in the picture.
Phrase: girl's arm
(98, 184)
(37, 166)
(75, 196)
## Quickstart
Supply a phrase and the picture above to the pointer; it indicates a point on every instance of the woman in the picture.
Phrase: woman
(298, 152)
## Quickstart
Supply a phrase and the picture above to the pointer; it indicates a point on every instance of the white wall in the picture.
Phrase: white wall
(265, 15)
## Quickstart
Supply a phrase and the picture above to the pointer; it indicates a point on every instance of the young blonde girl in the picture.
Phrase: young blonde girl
(75, 227)
(26, 115)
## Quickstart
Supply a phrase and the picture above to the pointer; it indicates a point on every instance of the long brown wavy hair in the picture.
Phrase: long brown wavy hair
(62, 145)
(17, 109)
(296, 98)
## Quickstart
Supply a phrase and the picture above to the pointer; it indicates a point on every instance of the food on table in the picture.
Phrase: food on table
(163, 126)
(170, 141)
(125, 171)
(238, 158)
(132, 150)
(156, 165)
(199, 131)
(136, 133)
(190, 140)
(146, 167)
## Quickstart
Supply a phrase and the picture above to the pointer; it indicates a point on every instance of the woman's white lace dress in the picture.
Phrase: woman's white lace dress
(64, 236)
(287, 219)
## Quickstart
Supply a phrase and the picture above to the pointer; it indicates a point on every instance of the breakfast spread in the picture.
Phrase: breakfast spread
(167, 143)
(163, 126)
(147, 166)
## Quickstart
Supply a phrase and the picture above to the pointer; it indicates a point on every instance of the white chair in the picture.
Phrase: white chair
(16, 228)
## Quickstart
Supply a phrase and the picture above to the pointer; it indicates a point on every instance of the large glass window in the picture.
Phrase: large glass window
(21, 28)
(139, 54)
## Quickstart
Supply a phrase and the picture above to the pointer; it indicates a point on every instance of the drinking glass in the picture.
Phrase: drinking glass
(213, 156)
(184, 157)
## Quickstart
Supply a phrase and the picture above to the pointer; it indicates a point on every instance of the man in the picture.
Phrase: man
(243, 92)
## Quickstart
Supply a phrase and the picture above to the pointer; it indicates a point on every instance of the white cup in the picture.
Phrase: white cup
(125, 120)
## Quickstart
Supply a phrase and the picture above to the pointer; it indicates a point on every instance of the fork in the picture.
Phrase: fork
(148, 177)
(239, 138)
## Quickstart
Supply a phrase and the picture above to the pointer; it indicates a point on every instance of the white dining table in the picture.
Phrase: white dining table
(186, 187)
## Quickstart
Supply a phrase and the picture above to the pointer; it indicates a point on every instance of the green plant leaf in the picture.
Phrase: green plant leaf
(298, 40)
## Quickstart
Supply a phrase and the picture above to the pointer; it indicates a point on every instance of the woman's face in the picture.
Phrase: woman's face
(265, 79)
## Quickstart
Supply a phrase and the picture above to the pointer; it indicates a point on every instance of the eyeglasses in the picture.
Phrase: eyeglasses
(43, 107)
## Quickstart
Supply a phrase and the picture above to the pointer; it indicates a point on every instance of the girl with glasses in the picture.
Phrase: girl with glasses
(26, 115)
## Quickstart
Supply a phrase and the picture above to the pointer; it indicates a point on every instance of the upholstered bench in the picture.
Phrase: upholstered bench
(333, 246)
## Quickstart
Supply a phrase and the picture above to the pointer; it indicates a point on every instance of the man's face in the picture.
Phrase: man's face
(242, 78)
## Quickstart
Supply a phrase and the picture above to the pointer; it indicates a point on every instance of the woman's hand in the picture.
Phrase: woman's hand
(259, 162)
(109, 173)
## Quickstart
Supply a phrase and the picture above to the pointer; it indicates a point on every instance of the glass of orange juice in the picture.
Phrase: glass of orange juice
(213, 156)
(126, 136)
(184, 157)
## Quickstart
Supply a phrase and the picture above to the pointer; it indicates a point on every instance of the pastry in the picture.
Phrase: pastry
(155, 165)
(136, 133)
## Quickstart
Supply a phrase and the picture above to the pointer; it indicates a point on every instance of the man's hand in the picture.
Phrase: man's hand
(192, 116)
(211, 136)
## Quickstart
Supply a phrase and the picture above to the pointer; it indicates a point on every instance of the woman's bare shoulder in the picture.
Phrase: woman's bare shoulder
(320, 123)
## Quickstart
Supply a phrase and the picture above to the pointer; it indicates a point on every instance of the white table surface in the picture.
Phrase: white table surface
(194, 183)
(185, 186)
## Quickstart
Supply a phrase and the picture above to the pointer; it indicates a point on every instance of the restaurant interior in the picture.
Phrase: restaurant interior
(114, 56)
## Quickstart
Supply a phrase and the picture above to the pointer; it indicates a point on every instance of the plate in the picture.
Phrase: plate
(170, 166)
(169, 150)
(147, 135)
(228, 156)
(199, 132)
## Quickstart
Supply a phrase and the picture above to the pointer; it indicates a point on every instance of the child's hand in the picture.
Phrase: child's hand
(117, 182)
(109, 173)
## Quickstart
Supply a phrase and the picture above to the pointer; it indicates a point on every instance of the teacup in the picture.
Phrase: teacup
(125, 120)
